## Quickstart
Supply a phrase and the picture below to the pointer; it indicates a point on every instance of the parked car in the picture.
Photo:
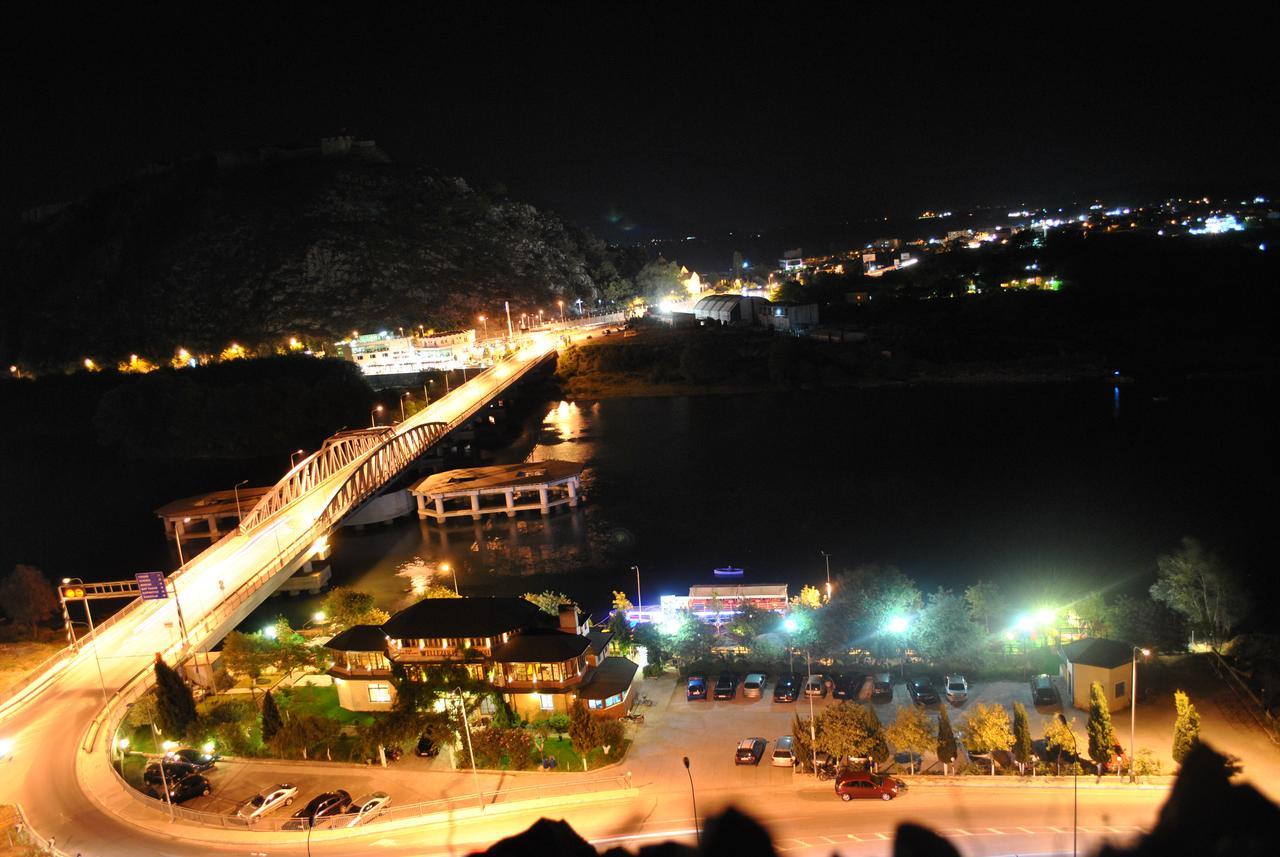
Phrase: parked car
(173, 771)
(859, 785)
(320, 806)
(922, 692)
(750, 751)
(815, 686)
(192, 785)
(786, 689)
(753, 685)
(198, 759)
(1042, 690)
(726, 686)
(264, 802)
(882, 688)
(783, 754)
(697, 687)
(363, 810)
(427, 748)
(957, 689)
(843, 686)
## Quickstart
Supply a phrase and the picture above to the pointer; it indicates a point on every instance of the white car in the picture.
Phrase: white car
(753, 686)
(363, 809)
(783, 754)
(262, 803)
(957, 689)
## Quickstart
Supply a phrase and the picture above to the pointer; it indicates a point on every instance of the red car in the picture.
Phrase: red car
(862, 785)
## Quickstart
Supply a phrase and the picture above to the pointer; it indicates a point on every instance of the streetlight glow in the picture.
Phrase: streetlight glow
(270, 632)
(898, 624)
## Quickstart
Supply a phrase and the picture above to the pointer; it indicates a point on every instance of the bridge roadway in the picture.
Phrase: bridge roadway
(49, 725)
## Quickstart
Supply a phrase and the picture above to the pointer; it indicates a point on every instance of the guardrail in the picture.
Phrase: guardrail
(28, 836)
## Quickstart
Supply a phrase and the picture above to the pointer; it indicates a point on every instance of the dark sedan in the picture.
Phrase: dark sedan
(922, 692)
(697, 688)
(787, 688)
(173, 771)
(184, 789)
(197, 759)
(726, 686)
(320, 806)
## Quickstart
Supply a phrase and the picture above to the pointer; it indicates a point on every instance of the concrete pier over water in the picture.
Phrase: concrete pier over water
(504, 488)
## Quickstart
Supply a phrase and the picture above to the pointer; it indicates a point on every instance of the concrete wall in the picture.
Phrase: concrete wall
(1081, 677)
(353, 694)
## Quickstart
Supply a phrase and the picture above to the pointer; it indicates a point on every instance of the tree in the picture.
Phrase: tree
(810, 597)
(985, 603)
(547, 601)
(863, 602)
(584, 733)
(801, 741)
(1186, 726)
(1102, 736)
(946, 746)
(848, 729)
(289, 650)
(1060, 737)
(175, 706)
(911, 732)
(27, 597)
(1148, 623)
(611, 736)
(1196, 583)
(945, 630)
(658, 280)
(346, 607)
(1021, 736)
(247, 654)
(987, 731)
(271, 720)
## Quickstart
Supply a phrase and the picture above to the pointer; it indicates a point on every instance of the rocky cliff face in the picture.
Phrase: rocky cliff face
(313, 248)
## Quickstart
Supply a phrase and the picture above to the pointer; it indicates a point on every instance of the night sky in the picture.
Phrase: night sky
(650, 122)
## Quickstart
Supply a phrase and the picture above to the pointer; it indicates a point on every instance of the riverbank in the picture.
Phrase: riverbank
(664, 362)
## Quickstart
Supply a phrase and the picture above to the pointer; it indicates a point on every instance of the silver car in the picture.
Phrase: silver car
(753, 686)
(364, 809)
(262, 803)
(957, 689)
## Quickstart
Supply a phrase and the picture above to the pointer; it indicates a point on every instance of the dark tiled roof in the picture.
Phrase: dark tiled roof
(613, 676)
(1097, 652)
(541, 647)
(468, 617)
(599, 641)
(359, 638)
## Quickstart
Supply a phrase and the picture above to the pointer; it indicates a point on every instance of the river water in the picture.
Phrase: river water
(1049, 489)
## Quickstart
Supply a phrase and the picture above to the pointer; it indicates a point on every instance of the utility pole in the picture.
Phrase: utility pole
(827, 557)
(507, 306)
(466, 725)
(639, 600)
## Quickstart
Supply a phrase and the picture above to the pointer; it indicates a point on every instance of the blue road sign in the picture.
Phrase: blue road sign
(152, 586)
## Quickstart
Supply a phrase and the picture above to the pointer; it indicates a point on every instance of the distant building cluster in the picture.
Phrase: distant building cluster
(384, 354)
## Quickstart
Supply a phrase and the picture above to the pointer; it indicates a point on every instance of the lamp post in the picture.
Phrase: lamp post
(813, 734)
(466, 725)
(1133, 707)
(373, 416)
(1075, 784)
(826, 556)
(426, 400)
(293, 457)
(561, 303)
(444, 566)
(485, 322)
(236, 489)
(402, 398)
(67, 581)
(693, 796)
(639, 599)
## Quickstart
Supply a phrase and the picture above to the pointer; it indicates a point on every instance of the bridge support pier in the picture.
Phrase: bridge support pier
(511, 502)
(543, 500)
(475, 506)
(573, 493)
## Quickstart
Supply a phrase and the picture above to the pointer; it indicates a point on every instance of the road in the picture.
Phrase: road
(47, 728)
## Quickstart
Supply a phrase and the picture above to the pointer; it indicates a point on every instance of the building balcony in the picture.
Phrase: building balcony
(357, 672)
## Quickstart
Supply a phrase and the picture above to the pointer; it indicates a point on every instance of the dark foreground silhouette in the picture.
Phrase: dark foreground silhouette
(1206, 815)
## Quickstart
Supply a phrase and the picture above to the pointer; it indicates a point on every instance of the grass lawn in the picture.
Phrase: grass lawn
(18, 659)
(319, 701)
(567, 758)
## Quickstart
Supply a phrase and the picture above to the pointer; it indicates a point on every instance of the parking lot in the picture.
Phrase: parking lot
(708, 730)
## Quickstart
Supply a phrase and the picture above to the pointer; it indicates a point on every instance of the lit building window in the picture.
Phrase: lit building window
(546, 702)
(379, 692)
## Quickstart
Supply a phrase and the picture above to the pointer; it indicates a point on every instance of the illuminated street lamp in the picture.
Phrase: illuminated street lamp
(444, 566)
(293, 457)
(236, 489)
(826, 556)
(485, 322)
(402, 398)
(373, 416)
(561, 303)
(1133, 706)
